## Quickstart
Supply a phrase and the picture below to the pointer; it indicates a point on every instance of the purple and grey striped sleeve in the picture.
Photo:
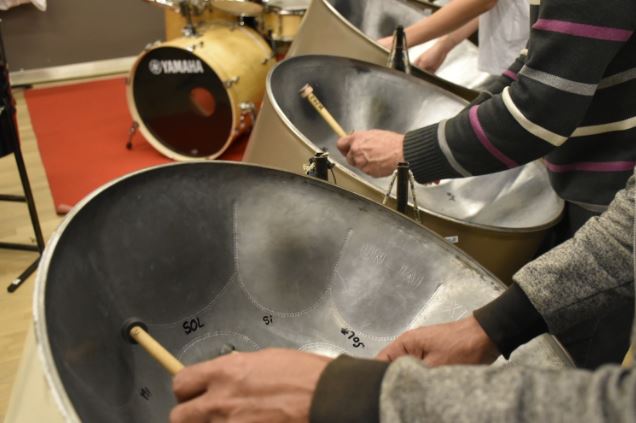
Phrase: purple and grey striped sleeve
(571, 45)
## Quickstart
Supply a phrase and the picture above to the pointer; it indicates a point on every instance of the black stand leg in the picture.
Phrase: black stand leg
(11, 145)
(131, 133)
(24, 276)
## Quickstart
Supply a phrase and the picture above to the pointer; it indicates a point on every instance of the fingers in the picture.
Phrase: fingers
(357, 158)
(193, 411)
(344, 144)
(191, 382)
(393, 351)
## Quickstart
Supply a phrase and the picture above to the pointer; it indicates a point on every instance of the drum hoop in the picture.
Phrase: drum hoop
(152, 139)
(241, 14)
(285, 11)
(348, 172)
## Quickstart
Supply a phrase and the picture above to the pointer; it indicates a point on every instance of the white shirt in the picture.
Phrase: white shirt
(503, 33)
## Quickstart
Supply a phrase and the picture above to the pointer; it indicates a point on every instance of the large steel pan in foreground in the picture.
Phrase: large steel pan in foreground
(350, 28)
(499, 219)
(211, 255)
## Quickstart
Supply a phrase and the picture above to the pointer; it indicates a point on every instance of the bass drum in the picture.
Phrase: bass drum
(499, 219)
(192, 96)
(350, 28)
(214, 255)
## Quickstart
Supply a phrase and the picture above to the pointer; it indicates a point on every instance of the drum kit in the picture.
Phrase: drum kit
(211, 256)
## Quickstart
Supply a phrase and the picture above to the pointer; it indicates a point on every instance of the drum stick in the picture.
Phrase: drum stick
(308, 92)
(156, 350)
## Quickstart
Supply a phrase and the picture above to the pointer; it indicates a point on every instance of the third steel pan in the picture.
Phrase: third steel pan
(350, 28)
(499, 219)
(216, 256)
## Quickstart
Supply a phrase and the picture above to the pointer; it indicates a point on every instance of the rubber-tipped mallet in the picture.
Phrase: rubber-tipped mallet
(136, 332)
(307, 92)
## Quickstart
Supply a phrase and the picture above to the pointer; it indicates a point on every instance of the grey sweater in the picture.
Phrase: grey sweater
(584, 277)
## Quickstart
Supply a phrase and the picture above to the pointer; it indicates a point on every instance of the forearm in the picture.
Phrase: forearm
(545, 104)
(588, 275)
(456, 15)
(413, 393)
(584, 277)
(462, 33)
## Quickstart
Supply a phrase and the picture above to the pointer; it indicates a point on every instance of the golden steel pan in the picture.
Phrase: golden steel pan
(214, 255)
(350, 28)
(499, 219)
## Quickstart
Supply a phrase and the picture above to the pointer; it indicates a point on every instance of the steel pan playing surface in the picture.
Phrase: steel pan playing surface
(499, 219)
(210, 254)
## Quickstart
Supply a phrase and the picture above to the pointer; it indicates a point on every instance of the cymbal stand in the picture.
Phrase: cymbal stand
(185, 8)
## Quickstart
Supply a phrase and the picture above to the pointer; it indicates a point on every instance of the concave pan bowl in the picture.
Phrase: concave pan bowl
(499, 219)
(211, 254)
(350, 28)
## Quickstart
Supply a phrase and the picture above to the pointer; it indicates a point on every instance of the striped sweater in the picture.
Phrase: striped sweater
(569, 98)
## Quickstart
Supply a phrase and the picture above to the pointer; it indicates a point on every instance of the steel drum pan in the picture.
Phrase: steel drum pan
(490, 216)
(350, 28)
(212, 255)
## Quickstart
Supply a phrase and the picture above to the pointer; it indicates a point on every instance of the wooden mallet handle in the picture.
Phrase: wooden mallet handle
(155, 349)
(308, 92)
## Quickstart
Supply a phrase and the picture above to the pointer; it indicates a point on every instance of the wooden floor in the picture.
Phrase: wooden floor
(15, 226)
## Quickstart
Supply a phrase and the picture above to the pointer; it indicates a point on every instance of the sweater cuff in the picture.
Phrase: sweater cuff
(348, 391)
(425, 158)
(510, 320)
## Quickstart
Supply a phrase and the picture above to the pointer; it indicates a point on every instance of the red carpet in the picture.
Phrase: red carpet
(82, 131)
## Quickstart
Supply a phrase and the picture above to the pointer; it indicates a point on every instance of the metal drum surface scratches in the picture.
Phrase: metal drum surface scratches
(499, 219)
(211, 254)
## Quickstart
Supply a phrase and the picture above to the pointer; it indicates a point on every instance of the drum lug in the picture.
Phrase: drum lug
(267, 59)
(248, 114)
(195, 46)
(149, 46)
(229, 82)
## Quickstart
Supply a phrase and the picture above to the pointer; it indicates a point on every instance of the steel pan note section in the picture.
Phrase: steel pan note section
(180, 247)
(487, 215)
(350, 28)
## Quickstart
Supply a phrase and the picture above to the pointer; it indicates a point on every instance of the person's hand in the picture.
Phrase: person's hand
(375, 152)
(433, 58)
(460, 342)
(386, 42)
(272, 385)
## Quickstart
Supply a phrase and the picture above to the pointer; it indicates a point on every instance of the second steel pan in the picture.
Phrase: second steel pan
(214, 255)
(499, 219)
(350, 28)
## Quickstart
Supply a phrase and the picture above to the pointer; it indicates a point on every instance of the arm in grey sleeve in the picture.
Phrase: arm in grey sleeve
(589, 274)
(413, 393)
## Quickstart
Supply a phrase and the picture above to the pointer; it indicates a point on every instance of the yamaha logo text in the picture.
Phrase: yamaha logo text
(157, 67)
